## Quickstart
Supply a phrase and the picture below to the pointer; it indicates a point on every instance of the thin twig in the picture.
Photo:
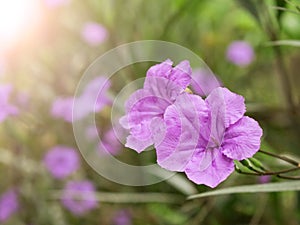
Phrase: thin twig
(284, 9)
(269, 173)
(289, 177)
(293, 4)
(284, 158)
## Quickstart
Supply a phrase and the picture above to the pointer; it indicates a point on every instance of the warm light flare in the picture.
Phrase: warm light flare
(16, 17)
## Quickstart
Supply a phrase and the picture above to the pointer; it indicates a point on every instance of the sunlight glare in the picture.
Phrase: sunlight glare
(16, 17)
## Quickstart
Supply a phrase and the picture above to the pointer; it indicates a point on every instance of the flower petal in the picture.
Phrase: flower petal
(181, 133)
(209, 167)
(143, 111)
(217, 122)
(141, 108)
(160, 70)
(124, 122)
(137, 144)
(242, 139)
(158, 128)
(234, 104)
(182, 74)
(140, 136)
(204, 81)
(163, 88)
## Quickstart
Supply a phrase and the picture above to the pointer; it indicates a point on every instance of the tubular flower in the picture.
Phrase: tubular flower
(199, 137)
(145, 106)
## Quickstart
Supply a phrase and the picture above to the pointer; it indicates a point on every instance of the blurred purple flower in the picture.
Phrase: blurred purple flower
(56, 3)
(110, 143)
(264, 179)
(79, 197)
(93, 99)
(204, 81)
(240, 53)
(8, 204)
(146, 106)
(94, 33)
(61, 161)
(6, 108)
(122, 217)
(91, 132)
(62, 108)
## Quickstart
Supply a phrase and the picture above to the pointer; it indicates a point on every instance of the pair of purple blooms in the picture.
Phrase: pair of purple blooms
(199, 137)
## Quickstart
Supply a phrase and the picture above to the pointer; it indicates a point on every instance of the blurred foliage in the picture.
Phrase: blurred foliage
(52, 60)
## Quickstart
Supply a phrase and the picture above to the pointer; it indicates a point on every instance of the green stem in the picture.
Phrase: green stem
(269, 173)
(289, 177)
(284, 158)
(284, 78)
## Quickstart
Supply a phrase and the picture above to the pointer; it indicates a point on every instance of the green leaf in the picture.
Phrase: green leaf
(271, 187)
(293, 43)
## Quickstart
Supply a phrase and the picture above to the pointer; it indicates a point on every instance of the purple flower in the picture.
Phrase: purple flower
(6, 109)
(93, 99)
(122, 217)
(177, 134)
(240, 53)
(224, 135)
(204, 82)
(79, 197)
(146, 106)
(62, 108)
(264, 179)
(110, 143)
(200, 138)
(94, 33)
(8, 204)
(61, 161)
(56, 3)
(91, 132)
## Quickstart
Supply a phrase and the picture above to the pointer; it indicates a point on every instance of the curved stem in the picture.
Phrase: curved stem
(269, 172)
(289, 177)
(276, 173)
(284, 158)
